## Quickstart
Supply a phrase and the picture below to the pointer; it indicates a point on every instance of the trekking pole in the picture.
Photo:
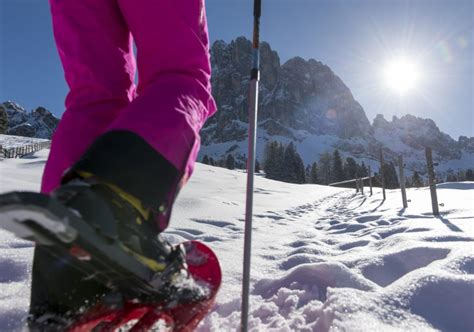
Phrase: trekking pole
(253, 106)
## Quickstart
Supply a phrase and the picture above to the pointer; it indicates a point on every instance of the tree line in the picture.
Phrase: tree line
(283, 163)
(228, 162)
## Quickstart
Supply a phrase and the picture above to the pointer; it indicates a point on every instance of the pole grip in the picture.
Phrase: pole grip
(257, 8)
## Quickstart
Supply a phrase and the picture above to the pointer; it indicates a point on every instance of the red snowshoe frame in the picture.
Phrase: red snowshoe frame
(203, 265)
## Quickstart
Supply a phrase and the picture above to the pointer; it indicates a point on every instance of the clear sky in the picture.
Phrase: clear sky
(356, 38)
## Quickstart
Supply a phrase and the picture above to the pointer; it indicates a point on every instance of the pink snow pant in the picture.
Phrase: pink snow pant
(173, 98)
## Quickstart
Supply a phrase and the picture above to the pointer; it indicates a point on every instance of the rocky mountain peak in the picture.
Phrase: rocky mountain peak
(39, 123)
(298, 96)
(418, 133)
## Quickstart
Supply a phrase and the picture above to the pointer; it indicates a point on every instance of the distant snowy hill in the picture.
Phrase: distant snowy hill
(323, 259)
(39, 123)
(304, 101)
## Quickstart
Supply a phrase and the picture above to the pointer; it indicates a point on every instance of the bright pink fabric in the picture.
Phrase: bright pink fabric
(173, 98)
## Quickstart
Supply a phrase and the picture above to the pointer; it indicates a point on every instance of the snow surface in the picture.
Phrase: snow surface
(323, 258)
(12, 141)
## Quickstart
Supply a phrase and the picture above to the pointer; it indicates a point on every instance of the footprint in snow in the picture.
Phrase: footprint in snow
(213, 222)
(365, 219)
(209, 238)
(347, 246)
(186, 233)
(391, 232)
(299, 259)
(448, 238)
(390, 267)
(270, 216)
(350, 228)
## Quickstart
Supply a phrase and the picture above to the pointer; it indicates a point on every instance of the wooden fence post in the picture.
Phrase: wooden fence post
(357, 185)
(382, 178)
(361, 182)
(402, 181)
(432, 180)
(370, 181)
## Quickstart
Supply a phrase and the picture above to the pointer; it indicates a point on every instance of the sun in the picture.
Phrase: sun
(401, 75)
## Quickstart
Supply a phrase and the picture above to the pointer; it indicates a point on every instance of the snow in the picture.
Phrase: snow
(323, 259)
(11, 141)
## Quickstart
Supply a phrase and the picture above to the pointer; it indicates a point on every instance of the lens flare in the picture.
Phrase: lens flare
(401, 75)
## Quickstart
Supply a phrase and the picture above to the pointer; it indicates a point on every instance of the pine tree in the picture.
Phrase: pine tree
(221, 162)
(270, 165)
(469, 175)
(394, 176)
(350, 169)
(205, 159)
(257, 166)
(230, 162)
(212, 162)
(307, 172)
(416, 180)
(290, 168)
(451, 178)
(338, 171)
(313, 176)
(363, 170)
(325, 170)
(390, 176)
(280, 150)
(300, 171)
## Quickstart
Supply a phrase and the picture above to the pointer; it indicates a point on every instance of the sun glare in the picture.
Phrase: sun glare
(401, 75)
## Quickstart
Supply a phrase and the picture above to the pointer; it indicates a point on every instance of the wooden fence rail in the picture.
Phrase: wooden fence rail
(378, 180)
(21, 151)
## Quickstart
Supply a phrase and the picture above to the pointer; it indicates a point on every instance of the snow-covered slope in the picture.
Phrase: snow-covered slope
(323, 258)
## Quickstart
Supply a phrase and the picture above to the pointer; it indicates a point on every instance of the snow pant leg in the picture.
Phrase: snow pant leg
(95, 47)
(150, 149)
(174, 90)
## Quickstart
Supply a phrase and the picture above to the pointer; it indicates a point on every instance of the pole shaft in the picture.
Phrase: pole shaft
(431, 178)
(253, 109)
(249, 206)
(370, 181)
(382, 177)
(402, 181)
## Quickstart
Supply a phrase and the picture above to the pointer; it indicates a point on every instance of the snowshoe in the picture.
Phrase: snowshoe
(104, 235)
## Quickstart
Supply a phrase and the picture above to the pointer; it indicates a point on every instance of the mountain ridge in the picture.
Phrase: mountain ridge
(304, 101)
